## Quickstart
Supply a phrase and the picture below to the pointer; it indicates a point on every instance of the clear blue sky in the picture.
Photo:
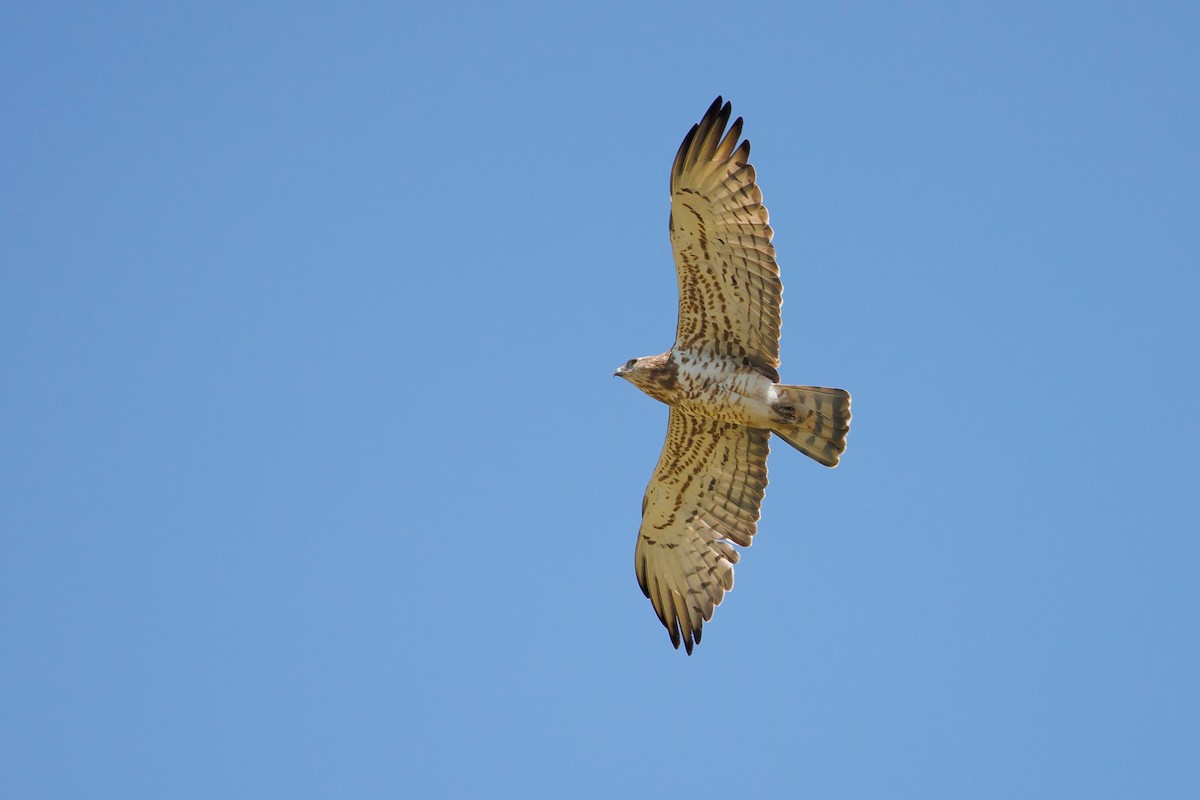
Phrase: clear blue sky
(316, 483)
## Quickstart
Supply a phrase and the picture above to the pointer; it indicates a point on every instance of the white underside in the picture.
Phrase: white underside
(721, 391)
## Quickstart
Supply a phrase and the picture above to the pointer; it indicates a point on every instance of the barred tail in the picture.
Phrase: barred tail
(812, 419)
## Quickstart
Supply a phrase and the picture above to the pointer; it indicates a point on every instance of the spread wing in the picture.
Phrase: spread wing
(705, 493)
(729, 289)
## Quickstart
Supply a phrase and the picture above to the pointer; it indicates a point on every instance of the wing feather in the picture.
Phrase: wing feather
(706, 492)
(729, 288)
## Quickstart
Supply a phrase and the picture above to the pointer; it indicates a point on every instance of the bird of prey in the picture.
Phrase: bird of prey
(721, 382)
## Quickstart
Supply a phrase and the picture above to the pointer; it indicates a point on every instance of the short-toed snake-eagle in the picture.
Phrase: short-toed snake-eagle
(721, 382)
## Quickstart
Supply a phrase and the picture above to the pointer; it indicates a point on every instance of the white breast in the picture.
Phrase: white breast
(718, 388)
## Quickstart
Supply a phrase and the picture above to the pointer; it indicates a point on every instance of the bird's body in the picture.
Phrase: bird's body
(721, 382)
(697, 383)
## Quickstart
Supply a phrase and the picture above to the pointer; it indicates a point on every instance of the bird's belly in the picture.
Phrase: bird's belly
(724, 393)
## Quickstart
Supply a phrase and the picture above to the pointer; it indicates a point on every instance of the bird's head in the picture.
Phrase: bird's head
(627, 369)
(654, 375)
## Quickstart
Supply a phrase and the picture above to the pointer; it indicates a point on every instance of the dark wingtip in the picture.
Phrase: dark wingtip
(720, 108)
(713, 121)
(694, 639)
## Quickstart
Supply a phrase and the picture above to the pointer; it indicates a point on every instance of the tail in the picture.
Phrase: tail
(812, 419)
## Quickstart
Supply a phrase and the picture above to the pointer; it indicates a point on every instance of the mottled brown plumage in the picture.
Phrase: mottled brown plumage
(721, 381)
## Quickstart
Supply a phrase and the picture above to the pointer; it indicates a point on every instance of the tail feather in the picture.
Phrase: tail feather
(812, 419)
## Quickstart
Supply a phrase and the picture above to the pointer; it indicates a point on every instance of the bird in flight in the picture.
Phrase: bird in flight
(721, 381)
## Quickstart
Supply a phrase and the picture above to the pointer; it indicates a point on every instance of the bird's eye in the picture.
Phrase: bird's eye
(629, 364)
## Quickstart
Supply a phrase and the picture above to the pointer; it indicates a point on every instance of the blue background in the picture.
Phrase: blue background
(316, 482)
